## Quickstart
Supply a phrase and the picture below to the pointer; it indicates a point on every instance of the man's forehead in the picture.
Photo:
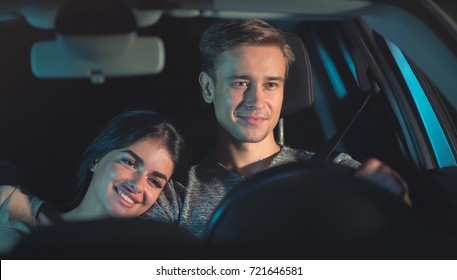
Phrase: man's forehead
(240, 50)
(234, 61)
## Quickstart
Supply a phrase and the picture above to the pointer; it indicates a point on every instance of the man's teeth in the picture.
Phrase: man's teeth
(124, 196)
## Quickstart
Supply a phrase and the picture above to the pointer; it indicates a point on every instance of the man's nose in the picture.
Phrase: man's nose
(254, 97)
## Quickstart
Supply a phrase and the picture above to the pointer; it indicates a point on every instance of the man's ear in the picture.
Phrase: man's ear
(207, 85)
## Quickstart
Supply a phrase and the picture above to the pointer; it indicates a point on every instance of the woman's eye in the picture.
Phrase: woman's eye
(129, 163)
(155, 183)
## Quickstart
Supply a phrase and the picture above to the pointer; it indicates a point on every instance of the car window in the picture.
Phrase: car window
(440, 145)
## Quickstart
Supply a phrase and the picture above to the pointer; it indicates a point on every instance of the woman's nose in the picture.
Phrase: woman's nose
(136, 185)
(139, 185)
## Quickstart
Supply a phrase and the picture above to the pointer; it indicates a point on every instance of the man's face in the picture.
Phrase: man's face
(248, 91)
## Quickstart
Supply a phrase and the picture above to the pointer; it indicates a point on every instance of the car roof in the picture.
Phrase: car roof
(416, 27)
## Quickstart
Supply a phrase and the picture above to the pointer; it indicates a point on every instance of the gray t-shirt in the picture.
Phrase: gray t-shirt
(209, 182)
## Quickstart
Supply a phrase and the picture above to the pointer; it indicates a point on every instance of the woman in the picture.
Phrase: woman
(122, 172)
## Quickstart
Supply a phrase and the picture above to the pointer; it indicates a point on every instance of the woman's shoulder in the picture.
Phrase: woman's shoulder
(18, 204)
(18, 210)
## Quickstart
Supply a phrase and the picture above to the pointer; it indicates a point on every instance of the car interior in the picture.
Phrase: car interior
(69, 66)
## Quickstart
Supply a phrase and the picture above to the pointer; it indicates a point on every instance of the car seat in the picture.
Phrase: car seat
(109, 239)
(298, 88)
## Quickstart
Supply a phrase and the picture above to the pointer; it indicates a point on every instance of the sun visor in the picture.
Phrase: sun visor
(98, 56)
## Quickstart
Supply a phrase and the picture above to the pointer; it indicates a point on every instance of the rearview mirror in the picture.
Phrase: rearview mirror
(98, 56)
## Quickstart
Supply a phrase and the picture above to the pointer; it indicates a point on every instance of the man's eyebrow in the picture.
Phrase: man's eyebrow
(140, 161)
(275, 78)
(241, 77)
(247, 77)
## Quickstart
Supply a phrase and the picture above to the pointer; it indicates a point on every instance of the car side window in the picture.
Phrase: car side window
(431, 123)
(338, 96)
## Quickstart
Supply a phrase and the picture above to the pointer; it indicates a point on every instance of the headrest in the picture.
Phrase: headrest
(298, 89)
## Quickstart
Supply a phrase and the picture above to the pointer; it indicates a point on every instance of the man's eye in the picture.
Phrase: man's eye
(271, 85)
(155, 183)
(241, 84)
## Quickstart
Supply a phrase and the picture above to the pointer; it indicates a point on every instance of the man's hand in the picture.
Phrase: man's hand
(381, 174)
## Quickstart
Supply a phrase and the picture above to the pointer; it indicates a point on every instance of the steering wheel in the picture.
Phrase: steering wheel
(309, 206)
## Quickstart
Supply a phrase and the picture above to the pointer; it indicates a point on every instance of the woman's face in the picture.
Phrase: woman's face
(127, 182)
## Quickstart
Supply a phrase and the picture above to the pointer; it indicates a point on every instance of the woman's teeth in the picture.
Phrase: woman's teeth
(124, 196)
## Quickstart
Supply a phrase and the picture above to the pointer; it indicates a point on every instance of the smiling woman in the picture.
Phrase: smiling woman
(122, 172)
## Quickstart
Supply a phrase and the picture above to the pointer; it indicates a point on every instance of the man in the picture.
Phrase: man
(245, 63)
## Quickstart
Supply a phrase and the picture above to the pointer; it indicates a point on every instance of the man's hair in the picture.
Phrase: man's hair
(229, 34)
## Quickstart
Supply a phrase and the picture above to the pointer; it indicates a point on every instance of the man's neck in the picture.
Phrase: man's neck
(246, 158)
